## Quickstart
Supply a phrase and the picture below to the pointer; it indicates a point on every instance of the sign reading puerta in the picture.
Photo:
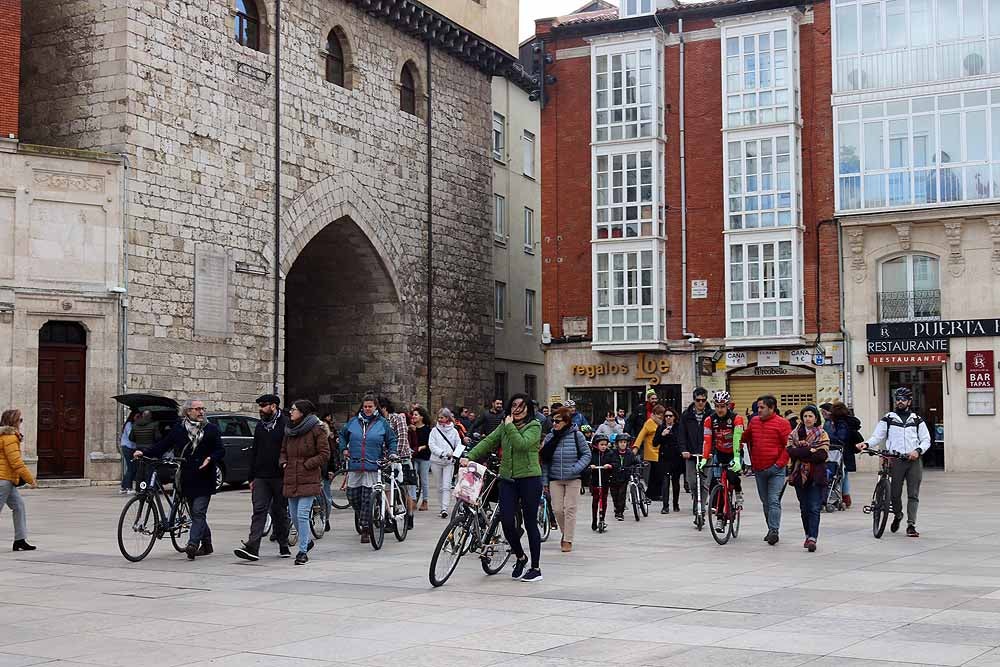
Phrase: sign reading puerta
(922, 343)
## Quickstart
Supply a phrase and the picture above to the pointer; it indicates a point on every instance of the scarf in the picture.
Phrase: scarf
(305, 425)
(195, 431)
(549, 448)
(269, 425)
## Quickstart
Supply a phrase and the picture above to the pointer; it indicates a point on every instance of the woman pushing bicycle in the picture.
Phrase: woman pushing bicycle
(520, 481)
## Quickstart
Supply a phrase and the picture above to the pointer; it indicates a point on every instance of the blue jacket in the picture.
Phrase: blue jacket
(579, 420)
(195, 481)
(366, 445)
(569, 460)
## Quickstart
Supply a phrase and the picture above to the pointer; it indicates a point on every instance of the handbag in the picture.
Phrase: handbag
(409, 475)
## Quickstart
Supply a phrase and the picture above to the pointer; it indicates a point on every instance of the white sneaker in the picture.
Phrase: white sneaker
(122, 492)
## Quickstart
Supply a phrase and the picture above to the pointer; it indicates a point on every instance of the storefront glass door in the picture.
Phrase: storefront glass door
(928, 402)
(596, 403)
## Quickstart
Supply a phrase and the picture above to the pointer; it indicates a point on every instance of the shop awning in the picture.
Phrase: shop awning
(930, 359)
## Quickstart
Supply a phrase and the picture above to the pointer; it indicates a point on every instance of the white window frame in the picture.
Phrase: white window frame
(793, 237)
(657, 290)
(737, 202)
(910, 282)
(528, 153)
(940, 179)
(940, 59)
(629, 8)
(499, 303)
(529, 231)
(499, 218)
(499, 136)
(655, 121)
(529, 310)
(740, 29)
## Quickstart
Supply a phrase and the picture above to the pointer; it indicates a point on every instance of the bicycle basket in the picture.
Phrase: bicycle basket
(470, 483)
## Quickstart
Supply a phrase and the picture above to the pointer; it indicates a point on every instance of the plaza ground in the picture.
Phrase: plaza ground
(649, 593)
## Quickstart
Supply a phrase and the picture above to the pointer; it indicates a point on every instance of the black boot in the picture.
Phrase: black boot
(22, 545)
(206, 548)
(593, 523)
(409, 522)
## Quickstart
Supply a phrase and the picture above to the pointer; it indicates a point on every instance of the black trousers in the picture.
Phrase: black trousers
(655, 482)
(267, 497)
(618, 496)
(522, 495)
(673, 472)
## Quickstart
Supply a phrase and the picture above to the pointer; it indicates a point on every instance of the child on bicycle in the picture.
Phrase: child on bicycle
(622, 460)
(600, 479)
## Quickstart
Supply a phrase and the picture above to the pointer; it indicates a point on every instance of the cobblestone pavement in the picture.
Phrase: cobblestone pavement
(649, 593)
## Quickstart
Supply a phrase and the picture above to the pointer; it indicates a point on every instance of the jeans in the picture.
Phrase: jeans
(267, 497)
(912, 472)
(301, 510)
(200, 532)
(12, 499)
(770, 481)
(810, 501)
(423, 474)
(522, 495)
(444, 473)
(130, 465)
(845, 485)
(565, 497)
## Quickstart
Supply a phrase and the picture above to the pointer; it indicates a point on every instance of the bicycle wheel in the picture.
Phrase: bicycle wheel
(496, 551)
(544, 525)
(378, 520)
(138, 528)
(449, 550)
(734, 525)
(338, 490)
(644, 501)
(293, 534)
(317, 518)
(633, 496)
(880, 507)
(182, 524)
(718, 522)
(399, 525)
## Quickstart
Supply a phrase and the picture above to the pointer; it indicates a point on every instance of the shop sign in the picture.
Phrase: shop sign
(802, 357)
(934, 329)
(979, 369)
(768, 358)
(771, 371)
(706, 366)
(942, 345)
(836, 353)
(736, 359)
(907, 359)
(648, 369)
(597, 370)
(699, 289)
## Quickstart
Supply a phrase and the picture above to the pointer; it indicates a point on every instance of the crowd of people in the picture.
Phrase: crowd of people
(547, 451)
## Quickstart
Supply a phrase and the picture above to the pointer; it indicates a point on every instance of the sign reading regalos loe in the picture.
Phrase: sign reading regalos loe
(647, 369)
(979, 369)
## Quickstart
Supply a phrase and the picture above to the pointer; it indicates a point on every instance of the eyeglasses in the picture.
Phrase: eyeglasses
(557, 421)
(701, 400)
(200, 409)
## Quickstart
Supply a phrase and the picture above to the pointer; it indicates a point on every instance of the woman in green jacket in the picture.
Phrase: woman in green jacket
(520, 481)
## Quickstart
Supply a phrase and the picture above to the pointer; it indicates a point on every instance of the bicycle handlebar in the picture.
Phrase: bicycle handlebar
(884, 454)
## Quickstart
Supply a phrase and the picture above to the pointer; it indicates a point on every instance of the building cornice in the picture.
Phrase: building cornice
(920, 216)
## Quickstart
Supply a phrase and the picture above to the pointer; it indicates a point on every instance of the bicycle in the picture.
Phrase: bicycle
(635, 492)
(474, 527)
(388, 503)
(698, 508)
(546, 518)
(319, 516)
(338, 489)
(724, 513)
(143, 519)
(881, 505)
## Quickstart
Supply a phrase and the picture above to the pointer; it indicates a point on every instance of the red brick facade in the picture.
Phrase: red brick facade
(10, 65)
(566, 177)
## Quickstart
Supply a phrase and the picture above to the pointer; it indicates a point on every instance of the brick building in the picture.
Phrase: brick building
(313, 218)
(687, 180)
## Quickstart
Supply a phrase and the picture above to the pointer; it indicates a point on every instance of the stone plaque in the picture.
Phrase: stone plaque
(211, 291)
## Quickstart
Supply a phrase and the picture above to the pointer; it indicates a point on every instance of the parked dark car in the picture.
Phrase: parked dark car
(237, 434)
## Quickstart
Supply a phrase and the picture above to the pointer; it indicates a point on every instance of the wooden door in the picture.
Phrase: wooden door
(61, 391)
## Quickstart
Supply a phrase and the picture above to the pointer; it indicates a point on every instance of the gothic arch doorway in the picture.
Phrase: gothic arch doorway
(62, 386)
(345, 325)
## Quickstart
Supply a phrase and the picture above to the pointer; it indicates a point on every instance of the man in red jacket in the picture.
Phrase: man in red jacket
(767, 437)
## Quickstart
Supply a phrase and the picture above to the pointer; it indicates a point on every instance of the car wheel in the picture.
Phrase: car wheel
(220, 477)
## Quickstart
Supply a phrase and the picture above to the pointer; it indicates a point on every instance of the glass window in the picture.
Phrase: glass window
(334, 60)
(246, 24)
(500, 218)
(528, 153)
(871, 28)
(895, 24)
(499, 302)
(624, 95)
(529, 230)
(761, 293)
(499, 136)
(947, 20)
(909, 288)
(757, 81)
(529, 309)
(624, 192)
(408, 90)
(847, 30)
(625, 304)
(759, 192)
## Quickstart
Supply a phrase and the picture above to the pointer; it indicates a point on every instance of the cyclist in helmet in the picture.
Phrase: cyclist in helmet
(905, 433)
(578, 419)
(723, 432)
(622, 460)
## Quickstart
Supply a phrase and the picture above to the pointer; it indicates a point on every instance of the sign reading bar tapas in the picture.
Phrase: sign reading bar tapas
(907, 359)
(909, 346)
(934, 329)
(979, 369)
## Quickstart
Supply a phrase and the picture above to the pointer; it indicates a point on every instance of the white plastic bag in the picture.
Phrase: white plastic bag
(470, 483)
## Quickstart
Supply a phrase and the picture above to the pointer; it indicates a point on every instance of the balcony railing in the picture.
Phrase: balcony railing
(918, 305)
(917, 64)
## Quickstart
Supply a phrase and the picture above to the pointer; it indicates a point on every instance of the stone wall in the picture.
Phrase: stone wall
(198, 127)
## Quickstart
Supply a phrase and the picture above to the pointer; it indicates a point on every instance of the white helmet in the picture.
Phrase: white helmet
(721, 397)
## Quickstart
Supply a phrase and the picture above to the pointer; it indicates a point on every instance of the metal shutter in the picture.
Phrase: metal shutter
(793, 393)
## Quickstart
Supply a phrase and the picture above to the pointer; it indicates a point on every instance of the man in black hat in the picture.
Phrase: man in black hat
(267, 479)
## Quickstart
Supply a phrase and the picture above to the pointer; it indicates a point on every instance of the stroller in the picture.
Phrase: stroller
(835, 479)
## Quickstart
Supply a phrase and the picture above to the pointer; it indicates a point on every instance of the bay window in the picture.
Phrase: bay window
(628, 194)
(762, 289)
(759, 74)
(759, 176)
(925, 150)
(627, 298)
(627, 90)
(891, 43)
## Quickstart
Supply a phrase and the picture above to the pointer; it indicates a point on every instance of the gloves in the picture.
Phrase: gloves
(735, 465)
(701, 463)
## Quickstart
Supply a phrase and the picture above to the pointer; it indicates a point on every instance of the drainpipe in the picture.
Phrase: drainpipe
(123, 295)
(684, 247)
(848, 360)
(430, 232)
(277, 195)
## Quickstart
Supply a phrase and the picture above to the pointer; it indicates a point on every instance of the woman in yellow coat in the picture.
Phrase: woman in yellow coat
(13, 472)
(647, 448)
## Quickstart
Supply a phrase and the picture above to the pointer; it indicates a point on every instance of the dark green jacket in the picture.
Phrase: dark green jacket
(520, 449)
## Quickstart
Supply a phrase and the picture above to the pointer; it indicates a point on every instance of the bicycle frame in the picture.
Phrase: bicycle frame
(699, 507)
(154, 491)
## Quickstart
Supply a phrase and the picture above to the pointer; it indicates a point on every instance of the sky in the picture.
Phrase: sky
(538, 9)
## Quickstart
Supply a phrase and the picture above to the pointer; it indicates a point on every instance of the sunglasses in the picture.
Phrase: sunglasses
(557, 421)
